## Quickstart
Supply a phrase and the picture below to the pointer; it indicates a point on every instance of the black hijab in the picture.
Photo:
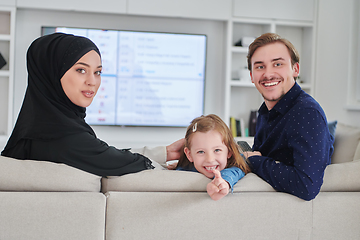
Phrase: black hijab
(47, 113)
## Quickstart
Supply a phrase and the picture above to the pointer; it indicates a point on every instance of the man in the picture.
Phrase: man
(292, 144)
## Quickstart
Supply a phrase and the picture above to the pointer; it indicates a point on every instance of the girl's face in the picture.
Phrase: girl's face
(208, 152)
(82, 80)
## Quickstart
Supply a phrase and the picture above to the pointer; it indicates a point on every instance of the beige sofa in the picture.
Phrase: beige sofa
(43, 200)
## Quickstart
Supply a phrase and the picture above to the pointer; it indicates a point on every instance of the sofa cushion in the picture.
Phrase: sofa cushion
(346, 142)
(175, 181)
(357, 153)
(253, 183)
(332, 127)
(336, 216)
(156, 181)
(52, 215)
(342, 177)
(180, 215)
(29, 175)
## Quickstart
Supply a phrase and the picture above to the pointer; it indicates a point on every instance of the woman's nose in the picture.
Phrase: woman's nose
(90, 80)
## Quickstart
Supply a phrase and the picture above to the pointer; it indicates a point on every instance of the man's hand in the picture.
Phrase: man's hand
(218, 187)
(249, 154)
(174, 150)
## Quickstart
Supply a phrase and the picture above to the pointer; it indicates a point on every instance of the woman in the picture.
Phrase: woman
(63, 78)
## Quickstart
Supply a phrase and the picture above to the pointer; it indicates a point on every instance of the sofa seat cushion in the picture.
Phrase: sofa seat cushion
(29, 175)
(175, 181)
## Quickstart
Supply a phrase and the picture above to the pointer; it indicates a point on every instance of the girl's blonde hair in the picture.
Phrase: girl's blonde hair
(213, 122)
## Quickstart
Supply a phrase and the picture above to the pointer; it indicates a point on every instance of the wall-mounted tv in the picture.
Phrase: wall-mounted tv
(148, 78)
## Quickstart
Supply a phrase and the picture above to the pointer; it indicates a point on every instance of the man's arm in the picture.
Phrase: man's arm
(311, 154)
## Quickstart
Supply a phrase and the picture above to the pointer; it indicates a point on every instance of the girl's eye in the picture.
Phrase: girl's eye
(200, 152)
(217, 150)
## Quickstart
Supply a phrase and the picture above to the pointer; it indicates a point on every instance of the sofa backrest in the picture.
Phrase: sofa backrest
(347, 144)
(176, 181)
(42, 176)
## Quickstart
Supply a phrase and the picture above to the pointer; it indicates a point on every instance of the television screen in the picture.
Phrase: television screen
(148, 78)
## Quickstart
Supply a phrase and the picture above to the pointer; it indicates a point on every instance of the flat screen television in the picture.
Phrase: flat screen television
(148, 78)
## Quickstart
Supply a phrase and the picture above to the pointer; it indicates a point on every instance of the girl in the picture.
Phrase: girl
(64, 74)
(211, 150)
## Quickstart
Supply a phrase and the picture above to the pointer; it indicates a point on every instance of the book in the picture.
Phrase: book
(233, 126)
(242, 128)
(237, 127)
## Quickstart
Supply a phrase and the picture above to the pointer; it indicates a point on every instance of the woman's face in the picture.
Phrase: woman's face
(81, 82)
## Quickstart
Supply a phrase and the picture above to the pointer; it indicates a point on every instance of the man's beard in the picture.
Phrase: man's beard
(273, 99)
(271, 79)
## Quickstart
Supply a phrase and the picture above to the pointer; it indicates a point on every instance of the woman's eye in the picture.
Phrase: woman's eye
(81, 70)
(98, 73)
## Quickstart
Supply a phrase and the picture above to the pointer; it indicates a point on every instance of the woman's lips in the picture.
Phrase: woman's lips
(88, 94)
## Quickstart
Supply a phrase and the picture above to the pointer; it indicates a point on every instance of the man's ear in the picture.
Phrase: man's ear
(296, 69)
(252, 80)
(188, 155)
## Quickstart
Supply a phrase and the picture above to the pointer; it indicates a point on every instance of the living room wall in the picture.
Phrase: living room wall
(334, 65)
(28, 26)
(335, 62)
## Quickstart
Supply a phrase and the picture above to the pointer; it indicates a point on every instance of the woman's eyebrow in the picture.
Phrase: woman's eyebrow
(87, 65)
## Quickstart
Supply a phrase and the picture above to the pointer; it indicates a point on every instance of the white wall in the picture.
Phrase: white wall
(334, 59)
(28, 25)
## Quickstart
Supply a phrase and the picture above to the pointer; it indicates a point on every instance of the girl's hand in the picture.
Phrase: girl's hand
(218, 187)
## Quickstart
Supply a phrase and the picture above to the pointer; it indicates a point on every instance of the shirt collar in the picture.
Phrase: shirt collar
(285, 103)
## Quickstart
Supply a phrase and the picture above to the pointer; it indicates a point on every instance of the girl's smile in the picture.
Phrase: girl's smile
(208, 152)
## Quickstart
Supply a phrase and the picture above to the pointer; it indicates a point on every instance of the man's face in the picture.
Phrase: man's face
(272, 72)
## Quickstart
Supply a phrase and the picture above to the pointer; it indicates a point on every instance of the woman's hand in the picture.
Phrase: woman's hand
(173, 151)
(218, 187)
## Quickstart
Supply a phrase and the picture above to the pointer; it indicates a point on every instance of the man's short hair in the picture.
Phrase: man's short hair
(268, 38)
